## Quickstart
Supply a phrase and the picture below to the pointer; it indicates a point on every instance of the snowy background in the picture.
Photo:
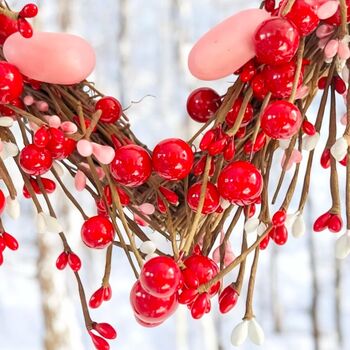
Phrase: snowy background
(301, 297)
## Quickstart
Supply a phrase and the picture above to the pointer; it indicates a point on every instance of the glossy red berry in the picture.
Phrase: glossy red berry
(99, 343)
(8, 112)
(276, 41)
(211, 201)
(279, 234)
(97, 232)
(96, 299)
(41, 137)
(200, 305)
(169, 195)
(123, 196)
(189, 279)
(269, 5)
(204, 269)
(230, 150)
(160, 276)
(29, 11)
(147, 324)
(10, 241)
(308, 128)
(111, 109)
(172, 159)
(335, 223)
(149, 308)
(2, 202)
(234, 111)
(2, 244)
(304, 17)
(265, 242)
(326, 158)
(74, 262)
(35, 160)
(8, 26)
(107, 293)
(258, 85)
(339, 85)
(11, 82)
(279, 79)
(207, 139)
(131, 166)
(187, 296)
(279, 218)
(105, 330)
(161, 205)
(322, 222)
(62, 261)
(202, 104)
(228, 299)
(281, 120)
(217, 147)
(240, 183)
(24, 28)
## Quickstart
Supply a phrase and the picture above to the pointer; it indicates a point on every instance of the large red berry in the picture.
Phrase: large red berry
(160, 276)
(204, 269)
(111, 109)
(35, 160)
(233, 113)
(172, 159)
(11, 82)
(211, 201)
(281, 120)
(279, 79)
(131, 166)
(240, 183)
(304, 17)
(149, 308)
(202, 104)
(276, 41)
(97, 232)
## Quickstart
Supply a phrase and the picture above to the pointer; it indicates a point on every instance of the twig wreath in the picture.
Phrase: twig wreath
(186, 191)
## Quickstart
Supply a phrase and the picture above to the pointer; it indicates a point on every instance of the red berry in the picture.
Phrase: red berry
(199, 166)
(322, 83)
(233, 113)
(200, 305)
(339, 85)
(11, 82)
(49, 185)
(228, 299)
(131, 166)
(97, 232)
(10, 241)
(29, 11)
(187, 296)
(41, 137)
(279, 218)
(211, 201)
(160, 276)
(204, 269)
(24, 28)
(99, 343)
(218, 146)
(336, 18)
(190, 280)
(96, 299)
(326, 158)
(258, 86)
(207, 139)
(147, 324)
(172, 159)
(279, 234)
(74, 262)
(202, 104)
(111, 109)
(308, 128)
(107, 293)
(335, 223)
(151, 309)
(2, 202)
(304, 17)
(322, 222)
(161, 205)
(35, 160)
(169, 195)
(230, 150)
(8, 112)
(280, 79)
(270, 5)
(281, 120)
(105, 330)
(62, 261)
(123, 196)
(8, 26)
(2, 244)
(276, 41)
(240, 183)
(265, 242)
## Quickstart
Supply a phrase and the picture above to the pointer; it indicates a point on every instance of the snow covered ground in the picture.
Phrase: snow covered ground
(149, 58)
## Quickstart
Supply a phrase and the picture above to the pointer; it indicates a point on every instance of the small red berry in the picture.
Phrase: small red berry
(99, 343)
(111, 109)
(279, 218)
(202, 104)
(308, 128)
(96, 298)
(105, 330)
(24, 28)
(2, 202)
(10, 241)
(97, 232)
(199, 306)
(233, 113)
(211, 201)
(35, 160)
(207, 139)
(74, 262)
(335, 223)
(11, 82)
(339, 85)
(228, 299)
(326, 158)
(187, 296)
(172, 159)
(169, 195)
(62, 261)
(29, 11)
(279, 234)
(322, 222)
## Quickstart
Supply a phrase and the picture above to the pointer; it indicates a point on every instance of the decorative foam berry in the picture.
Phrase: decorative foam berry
(211, 201)
(240, 183)
(111, 109)
(131, 166)
(279, 218)
(35, 160)
(149, 308)
(11, 82)
(204, 269)
(172, 159)
(228, 299)
(29, 11)
(105, 330)
(97, 232)
(202, 104)
(304, 17)
(281, 120)
(200, 305)
(160, 276)
(276, 41)
(233, 113)
(279, 79)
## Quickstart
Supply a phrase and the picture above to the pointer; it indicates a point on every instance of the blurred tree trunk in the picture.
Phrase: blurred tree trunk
(338, 308)
(276, 305)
